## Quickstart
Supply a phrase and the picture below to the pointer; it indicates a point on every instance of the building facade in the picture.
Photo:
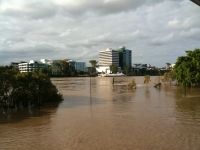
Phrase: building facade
(109, 57)
(80, 66)
(31, 66)
(125, 57)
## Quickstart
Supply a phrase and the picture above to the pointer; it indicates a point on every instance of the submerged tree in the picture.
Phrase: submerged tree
(187, 68)
(147, 79)
(169, 77)
(132, 84)
(25, 89)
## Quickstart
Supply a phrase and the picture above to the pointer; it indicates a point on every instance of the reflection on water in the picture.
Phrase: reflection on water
(110, 117)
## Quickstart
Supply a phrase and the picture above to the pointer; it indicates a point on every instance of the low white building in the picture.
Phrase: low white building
(106, 69)
(46, 61)
(31, 66)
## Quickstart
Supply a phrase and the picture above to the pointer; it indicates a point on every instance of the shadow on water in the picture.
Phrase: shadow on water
(188, 108)
(78, 100)
(122, 94)
(17, 115)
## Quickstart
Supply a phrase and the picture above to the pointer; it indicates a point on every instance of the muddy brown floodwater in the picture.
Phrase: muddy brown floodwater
(110, 118)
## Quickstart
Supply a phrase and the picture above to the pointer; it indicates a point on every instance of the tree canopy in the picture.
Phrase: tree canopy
(62, 68)
(25, 89)
(187, 68)
(113, 68)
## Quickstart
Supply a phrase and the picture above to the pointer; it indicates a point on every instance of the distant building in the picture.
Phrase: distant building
(109, 57)
(138, 68)
(15, 64)
(80, 66)
(72, 63)
(125, 57)
(119, 58)
(31, 66)
(46, 61)
(88, 69)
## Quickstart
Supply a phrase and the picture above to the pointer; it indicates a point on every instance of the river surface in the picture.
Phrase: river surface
(107, 117)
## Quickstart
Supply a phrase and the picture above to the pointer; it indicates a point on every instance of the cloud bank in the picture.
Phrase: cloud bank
(157, 31)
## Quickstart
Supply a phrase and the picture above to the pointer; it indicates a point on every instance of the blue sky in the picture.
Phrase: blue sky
(157, 32)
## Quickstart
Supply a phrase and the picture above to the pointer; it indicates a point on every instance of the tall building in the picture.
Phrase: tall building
(125, 57)
(109, 57)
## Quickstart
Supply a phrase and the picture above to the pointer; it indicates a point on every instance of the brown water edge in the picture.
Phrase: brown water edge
(111, 117)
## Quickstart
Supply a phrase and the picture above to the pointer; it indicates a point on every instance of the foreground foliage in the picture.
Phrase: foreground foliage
(25, 89)
(187, 68)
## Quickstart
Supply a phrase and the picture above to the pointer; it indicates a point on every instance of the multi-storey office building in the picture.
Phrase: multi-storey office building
(125, 57)
(31, 66)
(15, 64)
(80, 66)
(109, 57)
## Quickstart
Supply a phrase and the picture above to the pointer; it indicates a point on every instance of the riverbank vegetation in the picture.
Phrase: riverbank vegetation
(187, 68)
(25, 89)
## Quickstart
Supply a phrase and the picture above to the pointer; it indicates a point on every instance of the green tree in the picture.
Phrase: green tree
(94, 65)
(64, 67)
(113, 68)
(169, 77)
(126, 69)
(187, 68)
(22, 89)
(55, 67)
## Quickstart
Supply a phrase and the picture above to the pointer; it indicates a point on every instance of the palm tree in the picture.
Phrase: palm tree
(93, 64)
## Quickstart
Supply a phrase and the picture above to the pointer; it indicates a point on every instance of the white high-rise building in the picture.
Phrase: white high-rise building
(109, 57)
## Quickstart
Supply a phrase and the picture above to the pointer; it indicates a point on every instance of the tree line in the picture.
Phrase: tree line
(186, 71)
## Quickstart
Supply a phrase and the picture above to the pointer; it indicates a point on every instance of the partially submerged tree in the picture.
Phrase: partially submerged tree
(187, 68)
(169, 77)
(147, 79)
(132, 84)
(22, 89)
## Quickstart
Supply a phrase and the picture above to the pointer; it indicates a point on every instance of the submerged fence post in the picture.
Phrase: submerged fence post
(90, 85)
(185, 89)
(38, 93)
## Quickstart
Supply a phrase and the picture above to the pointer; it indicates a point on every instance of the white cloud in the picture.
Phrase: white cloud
(174, 23)
(192, 33)
(162, 40)
(68, 32)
